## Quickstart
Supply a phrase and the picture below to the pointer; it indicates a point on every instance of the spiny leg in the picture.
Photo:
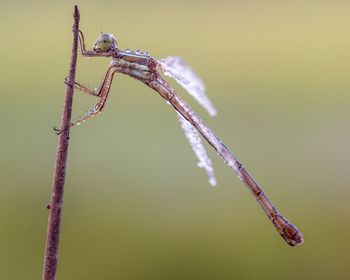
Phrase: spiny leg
(82, 42)
(83, 50)
(84, 89)
(102, 93)
(96, 109)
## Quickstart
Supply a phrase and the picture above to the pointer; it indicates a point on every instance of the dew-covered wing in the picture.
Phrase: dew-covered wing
(178, 69)
(193, 137)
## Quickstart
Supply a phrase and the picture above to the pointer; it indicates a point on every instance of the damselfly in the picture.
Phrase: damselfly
(141, 66)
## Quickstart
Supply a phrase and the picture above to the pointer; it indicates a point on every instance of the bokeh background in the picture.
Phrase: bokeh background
(136, 206)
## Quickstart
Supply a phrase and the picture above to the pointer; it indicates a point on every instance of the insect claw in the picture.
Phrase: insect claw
(58, 131)
(68, 82)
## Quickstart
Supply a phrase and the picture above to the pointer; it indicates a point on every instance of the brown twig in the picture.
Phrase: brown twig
(55, 207)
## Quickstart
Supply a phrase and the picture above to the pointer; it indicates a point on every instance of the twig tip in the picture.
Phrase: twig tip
(76, 13)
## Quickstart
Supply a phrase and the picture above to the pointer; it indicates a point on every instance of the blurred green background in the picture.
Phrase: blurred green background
(136, 206)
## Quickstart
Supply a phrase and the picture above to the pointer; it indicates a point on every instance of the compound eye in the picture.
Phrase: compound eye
(105, 45)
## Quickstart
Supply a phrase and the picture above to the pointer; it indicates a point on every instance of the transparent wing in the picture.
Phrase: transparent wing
(193, 137)
(178, 69)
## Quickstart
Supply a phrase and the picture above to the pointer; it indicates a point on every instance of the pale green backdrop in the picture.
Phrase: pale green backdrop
(136, 206)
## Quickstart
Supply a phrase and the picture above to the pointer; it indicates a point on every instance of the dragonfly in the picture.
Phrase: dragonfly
(148, 70)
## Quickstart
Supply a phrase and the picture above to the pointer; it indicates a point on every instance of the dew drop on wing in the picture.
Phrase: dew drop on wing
(212, 181)
(176, 68)
(195, 141)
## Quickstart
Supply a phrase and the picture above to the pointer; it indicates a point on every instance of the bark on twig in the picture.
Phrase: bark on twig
(55, 207)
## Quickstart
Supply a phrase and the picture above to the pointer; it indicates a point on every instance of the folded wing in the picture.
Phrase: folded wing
(193, 137)
(176, 68)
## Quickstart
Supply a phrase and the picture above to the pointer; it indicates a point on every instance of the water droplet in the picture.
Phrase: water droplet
(212, 181)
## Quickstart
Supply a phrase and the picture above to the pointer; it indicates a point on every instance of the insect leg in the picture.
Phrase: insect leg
(84, 88)
(102, 94)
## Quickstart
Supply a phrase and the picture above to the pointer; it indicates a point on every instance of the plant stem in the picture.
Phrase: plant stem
(56, 204)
